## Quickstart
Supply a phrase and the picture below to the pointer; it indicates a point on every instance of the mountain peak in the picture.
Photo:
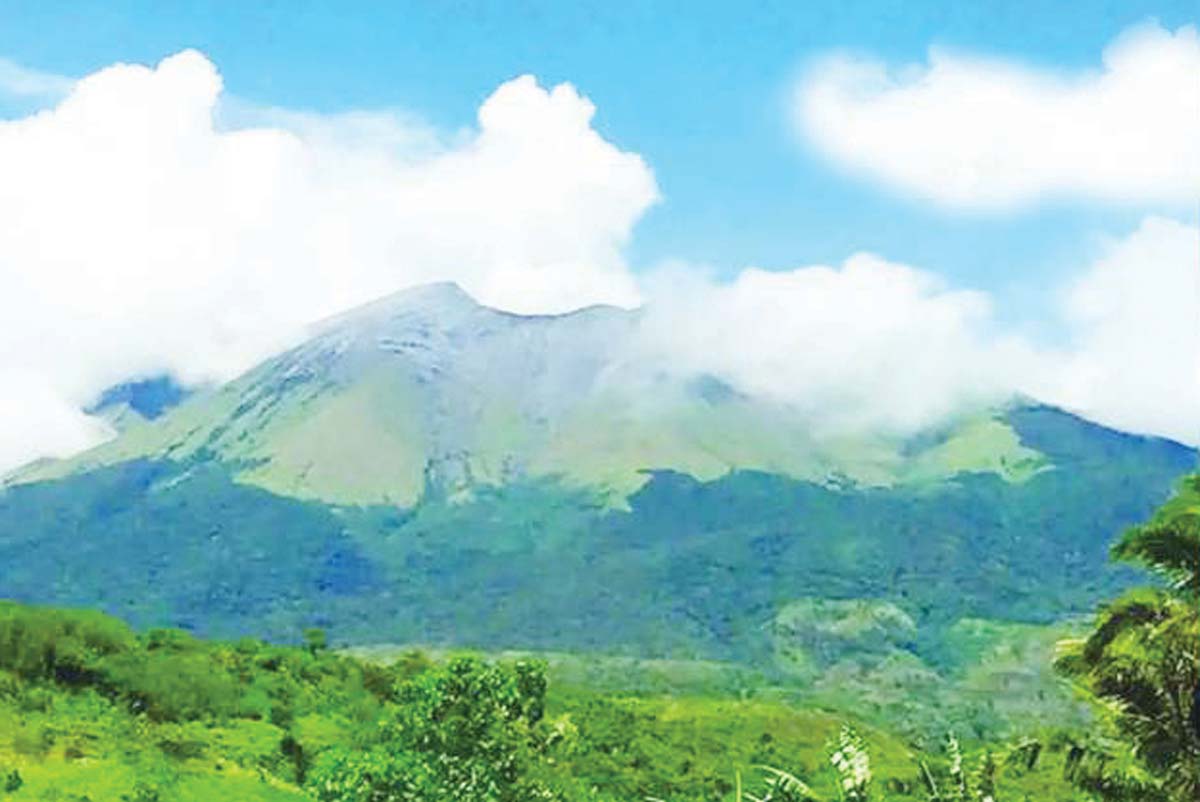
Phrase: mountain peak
(435, 297)
(436, 292)
(446, 304)
(442, 301)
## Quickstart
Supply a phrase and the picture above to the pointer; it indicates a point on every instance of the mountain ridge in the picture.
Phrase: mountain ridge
(436, 382)
(428, 470)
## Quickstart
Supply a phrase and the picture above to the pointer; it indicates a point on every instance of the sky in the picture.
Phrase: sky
(998, 198)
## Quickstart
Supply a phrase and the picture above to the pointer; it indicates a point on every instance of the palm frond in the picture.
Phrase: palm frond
(1170, 548)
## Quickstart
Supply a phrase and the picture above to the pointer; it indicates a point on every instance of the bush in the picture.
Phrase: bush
(65, 646)
(174, 686)
(464, 731)
(13, 781)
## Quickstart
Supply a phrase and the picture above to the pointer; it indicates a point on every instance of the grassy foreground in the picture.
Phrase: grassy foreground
(91, 710)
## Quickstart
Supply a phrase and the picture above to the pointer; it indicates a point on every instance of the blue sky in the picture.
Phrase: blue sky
(699, 89)
(948, 203)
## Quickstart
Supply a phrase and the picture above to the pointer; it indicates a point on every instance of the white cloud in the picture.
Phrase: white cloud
(148, 224)
(877, 346)
(37, 421)
(870, 345)
(138, 236)
(23, 82)
(1135, 360)
(984, 134)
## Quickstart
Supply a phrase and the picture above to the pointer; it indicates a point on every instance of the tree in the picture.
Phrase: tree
(315, 641)
(1140, 663)
(467, 731)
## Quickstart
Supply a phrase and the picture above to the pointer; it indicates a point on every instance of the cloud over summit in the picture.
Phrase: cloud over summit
(149, 223)
(140, 236)
(867, 345)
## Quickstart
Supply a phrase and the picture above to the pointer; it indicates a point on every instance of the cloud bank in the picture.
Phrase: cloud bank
(150, 225)
(139, 236)
(1134, 363)
(873, 345)
(972, 133)
(866, 345)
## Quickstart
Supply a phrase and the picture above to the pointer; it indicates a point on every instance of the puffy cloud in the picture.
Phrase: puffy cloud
(870, 345)
(150, 224)
(975, 133)
(1135, 360)
(144, 232)
(876, 346)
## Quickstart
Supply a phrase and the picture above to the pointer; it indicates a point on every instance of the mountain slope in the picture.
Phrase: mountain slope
(429, 387)
(426, 469)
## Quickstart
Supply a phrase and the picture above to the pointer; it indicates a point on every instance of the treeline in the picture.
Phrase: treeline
(1140, 666)
(169, 676)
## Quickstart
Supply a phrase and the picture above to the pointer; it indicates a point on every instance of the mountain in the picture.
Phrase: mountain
(426, 469)
(428, 390)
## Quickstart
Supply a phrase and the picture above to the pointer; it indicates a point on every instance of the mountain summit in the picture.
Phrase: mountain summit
(427, 386)
(425, 468)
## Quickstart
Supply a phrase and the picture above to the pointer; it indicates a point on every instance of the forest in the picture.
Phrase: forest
(92, 709)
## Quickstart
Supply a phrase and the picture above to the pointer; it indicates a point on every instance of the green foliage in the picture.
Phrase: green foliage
(315, 640)
(1141, 663)
(162, 544)
(168, 716)
(91, 707)
(82, 691)
(850, 758)
(64, 646)
(963, 784)
(853, 765)
(13, 781)
(687, 569)
(466, 731)
(1170, 543)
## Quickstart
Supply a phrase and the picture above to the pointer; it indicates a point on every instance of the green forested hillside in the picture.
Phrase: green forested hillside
(691, 569)
(428, 470)
(93, 710)
(704, 571)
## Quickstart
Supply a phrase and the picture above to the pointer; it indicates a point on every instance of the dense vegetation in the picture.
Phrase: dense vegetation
(835, 697)
(691, 570)
(90, 710)
(1142, 664)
